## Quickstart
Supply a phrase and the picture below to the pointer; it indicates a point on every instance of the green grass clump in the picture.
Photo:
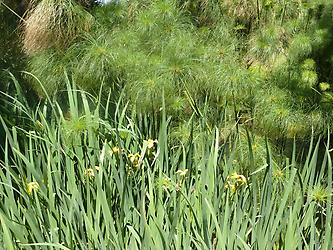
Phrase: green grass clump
(53, 77)
(83, 177)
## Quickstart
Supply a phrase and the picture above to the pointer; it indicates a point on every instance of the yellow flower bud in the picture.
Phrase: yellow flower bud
(89, 172)
(115, 150)
(32, 186)
(134, 159)
(151, 143)
(182, 172)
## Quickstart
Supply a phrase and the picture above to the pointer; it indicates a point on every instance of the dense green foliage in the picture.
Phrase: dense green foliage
(8, 24)
(271, 63)
(78, 180)
(11, 56)
(168, 124)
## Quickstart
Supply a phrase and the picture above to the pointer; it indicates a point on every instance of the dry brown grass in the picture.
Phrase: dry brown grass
(54, 23)
(243, 10)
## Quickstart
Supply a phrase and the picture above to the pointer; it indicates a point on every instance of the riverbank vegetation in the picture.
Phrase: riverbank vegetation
(171, 124)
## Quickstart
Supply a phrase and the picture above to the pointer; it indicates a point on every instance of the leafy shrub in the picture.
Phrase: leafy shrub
(178, 48)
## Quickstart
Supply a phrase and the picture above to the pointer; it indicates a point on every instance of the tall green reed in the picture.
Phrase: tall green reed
(84, 177)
